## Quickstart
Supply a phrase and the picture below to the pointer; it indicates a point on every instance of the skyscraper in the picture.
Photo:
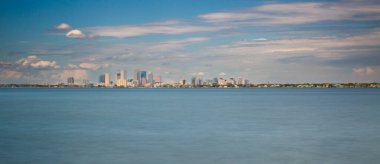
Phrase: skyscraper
(198, 82)
(182, 82)
(123, 74)
(143, 79)
(118, 76)
(150, 78)
(102, 79)
(107, 82)
(120, 80)
(136, 77)
(193, 81)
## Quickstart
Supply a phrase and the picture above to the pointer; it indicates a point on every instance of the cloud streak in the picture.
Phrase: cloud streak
(168, 27)
(296, 13)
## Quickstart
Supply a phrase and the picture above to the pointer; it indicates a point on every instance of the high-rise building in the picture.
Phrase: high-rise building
(182, 82)
(198, 82)
(143, 79)
(150, 78)
(193, 81)
(120, 80)
(123, 74)
(136, 77)
(107, 81)
(136, 74)
(118, 76)
(102, 79)
(70, 80)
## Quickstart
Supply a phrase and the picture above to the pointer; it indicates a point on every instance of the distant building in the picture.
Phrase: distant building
(120, 80)
(136, 76)
(198, 82)
(193, 81)
(118, 76)
(86, 82)
(107, 81)
(150, 78)
(102, 79)
(143, 79)
(182, 82)
(231, 81)
(222, 81)
(70, 80)
(123, 74)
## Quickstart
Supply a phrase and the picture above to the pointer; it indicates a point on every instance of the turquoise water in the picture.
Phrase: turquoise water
(180, 126)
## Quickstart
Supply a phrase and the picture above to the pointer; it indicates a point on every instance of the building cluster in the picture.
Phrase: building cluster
(140, 79)
(147, 80)
(215, 82)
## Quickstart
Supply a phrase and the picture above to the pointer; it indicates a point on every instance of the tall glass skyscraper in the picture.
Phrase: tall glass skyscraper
(102, 78)
(143, 78)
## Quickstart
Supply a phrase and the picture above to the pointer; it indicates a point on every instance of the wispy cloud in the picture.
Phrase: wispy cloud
(91, 66)
(167, 27)
(296, 13)
(326, 48)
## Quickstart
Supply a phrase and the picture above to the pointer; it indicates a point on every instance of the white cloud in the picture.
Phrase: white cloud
(63, 26)
(91, 66)
(222, 74)
(27, 61)
(44, 64)
(297, 13)
(261, 39)
(34, 62)
(366, 70)
(168, 27)
(76, 34)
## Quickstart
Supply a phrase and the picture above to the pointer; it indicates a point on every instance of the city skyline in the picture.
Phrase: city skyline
(278, 41)
(142, 78)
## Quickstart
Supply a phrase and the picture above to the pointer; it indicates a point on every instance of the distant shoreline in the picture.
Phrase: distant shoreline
(304, 85)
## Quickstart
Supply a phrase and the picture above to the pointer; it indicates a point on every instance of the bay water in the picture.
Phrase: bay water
(189, 126)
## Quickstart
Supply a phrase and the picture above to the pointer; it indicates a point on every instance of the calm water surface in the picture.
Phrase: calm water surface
(180, 126)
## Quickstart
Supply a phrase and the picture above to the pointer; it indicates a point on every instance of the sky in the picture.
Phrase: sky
(262, 41)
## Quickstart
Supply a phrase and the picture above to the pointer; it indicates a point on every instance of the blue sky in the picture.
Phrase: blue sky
(275, 41)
